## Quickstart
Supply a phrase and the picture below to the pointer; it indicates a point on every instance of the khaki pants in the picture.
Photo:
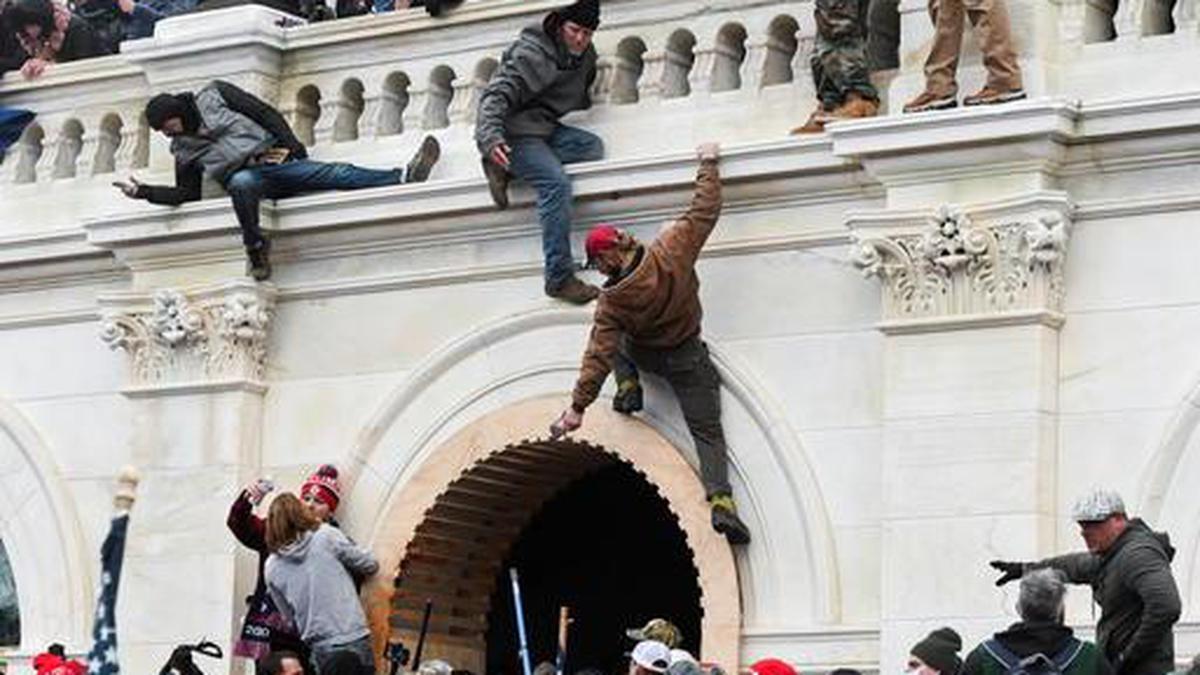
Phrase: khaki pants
(989, 19)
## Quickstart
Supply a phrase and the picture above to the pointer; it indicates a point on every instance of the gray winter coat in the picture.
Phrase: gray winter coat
(226, 140)
(538, 82)
(1138, 599)
(311, 583)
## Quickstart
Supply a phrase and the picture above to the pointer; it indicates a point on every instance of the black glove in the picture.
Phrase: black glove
(1011, 571)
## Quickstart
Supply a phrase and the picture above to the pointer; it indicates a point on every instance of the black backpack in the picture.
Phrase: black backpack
(1034, 664)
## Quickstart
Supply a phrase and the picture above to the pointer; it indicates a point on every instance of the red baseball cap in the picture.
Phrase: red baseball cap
(599, 240)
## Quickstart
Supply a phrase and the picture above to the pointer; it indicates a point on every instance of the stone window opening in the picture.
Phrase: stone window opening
(728, 57)
(107, 145)
(628, 65)
(782, 46)
(70, 145)
(308, 111)
(680, 57)
(394, 101)
(441, 93)
(350, 110)
(29, 153)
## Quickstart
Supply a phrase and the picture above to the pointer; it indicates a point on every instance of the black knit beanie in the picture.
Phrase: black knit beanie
(586, 13)
(939, 650)
(165, 106)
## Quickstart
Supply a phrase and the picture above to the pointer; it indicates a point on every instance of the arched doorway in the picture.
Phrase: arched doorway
(584, 528)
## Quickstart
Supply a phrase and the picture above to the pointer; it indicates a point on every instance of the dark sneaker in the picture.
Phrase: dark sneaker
(629, 397)
(574, 291)
(725, 520)
(989, 96)
(928, 101)
(422, 163)
(497, 178)
(258, 264)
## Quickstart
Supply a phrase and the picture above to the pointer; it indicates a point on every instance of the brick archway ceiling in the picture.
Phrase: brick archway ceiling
(459, 547)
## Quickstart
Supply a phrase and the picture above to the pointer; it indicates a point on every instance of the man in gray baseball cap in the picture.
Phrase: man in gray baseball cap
(1128, 566)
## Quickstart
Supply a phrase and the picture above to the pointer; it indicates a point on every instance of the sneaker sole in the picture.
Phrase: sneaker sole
(422, 163)
(1004, 98)
(943, 104)
(734, 536)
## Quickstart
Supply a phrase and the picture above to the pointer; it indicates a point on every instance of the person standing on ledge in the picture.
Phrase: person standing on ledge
(839, 65)
(547, 73)
(648, 317)
(1128, 566)
(247, 147)
(989, 18)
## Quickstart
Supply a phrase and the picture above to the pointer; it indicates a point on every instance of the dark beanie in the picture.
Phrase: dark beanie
(939, 650)
(162, 108)
(586, 13)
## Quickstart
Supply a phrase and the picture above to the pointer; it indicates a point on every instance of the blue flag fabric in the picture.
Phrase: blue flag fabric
(12, 123)
(102, 660)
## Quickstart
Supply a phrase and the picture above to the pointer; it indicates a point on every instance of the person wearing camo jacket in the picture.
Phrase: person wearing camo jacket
(1128, 566)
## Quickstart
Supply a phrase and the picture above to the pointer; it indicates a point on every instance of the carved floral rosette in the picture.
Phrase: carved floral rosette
(953, 267)
(203, 336)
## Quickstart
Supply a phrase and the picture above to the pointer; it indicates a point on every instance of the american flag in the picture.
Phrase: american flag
(102, 660)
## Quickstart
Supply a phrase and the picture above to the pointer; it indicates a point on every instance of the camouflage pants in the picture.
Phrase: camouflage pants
(839, 59)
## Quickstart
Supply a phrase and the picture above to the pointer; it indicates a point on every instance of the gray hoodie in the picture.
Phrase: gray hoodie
(310, 581)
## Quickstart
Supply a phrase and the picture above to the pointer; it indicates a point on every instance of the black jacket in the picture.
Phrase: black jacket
(188, 177)
(1138, 599)
(1027, 639)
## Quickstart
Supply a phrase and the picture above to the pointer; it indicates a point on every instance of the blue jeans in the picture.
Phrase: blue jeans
(247, 187)
(539, 162)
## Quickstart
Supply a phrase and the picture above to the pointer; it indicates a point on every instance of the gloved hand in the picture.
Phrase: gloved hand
(566, 423)
(1012, 571)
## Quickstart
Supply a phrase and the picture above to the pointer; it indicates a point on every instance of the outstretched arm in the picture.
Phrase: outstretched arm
(186, 189)
(523, 74)
(687, 235)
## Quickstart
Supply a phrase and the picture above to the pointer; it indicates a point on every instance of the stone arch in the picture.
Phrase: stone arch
(729, 55)
(350, 110)
(680, 57)
(441, 93)
(308, 111)
(29, 153)
(108, 144)
(41, 535)
(629, 64)
(530, 360)
(70, 145)
(782, 45)
(394, 100)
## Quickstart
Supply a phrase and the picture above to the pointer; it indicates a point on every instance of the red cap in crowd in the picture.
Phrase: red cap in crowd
(772, 667)
(599, 240)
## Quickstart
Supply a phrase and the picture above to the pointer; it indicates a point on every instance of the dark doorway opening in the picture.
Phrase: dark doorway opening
(608, 547)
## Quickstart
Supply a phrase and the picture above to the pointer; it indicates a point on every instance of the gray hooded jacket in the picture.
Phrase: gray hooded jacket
(1138, 599)
(538, 82)
(310, 581)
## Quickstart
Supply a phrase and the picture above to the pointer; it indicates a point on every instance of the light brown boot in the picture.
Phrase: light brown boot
(815, 124)
(855, 106)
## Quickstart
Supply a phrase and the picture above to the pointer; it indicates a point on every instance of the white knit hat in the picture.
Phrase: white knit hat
(1097, 505)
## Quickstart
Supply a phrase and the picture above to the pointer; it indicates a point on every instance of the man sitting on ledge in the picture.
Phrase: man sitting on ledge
(246, 146)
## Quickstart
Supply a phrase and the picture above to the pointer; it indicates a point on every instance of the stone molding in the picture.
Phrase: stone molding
(953, 269)
(212, 338)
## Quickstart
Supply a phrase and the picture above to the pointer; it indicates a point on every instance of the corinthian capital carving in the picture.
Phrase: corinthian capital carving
(194, 338)
(953, 267)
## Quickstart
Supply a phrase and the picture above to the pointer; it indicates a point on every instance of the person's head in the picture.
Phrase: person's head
(575, 25)
(610, 249)
(772, 667)
(168, 114)
(649, 657)
(936, 654)
(657, 629)
(1101, 518)
(1042, 596)
(322, 492)
(57, 650)
(281, 663)
(287, 521)
(32, 18)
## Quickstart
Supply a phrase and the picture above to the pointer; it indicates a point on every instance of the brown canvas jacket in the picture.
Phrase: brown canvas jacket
(658, 304)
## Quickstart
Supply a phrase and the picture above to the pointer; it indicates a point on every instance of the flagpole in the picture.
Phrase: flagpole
(102, 659)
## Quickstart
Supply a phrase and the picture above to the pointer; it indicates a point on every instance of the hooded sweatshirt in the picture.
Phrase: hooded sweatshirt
(1027, 639)
(657, 305)
(310, 581)
(1138, 599)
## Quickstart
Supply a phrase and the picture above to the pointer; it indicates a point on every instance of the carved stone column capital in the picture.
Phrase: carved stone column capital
(952, 271)
(192, 340)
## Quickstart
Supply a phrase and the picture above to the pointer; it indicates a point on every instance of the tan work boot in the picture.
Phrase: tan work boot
(815, 124)
(989, 96)
(574, 291)
(855, 106)
(929, 101)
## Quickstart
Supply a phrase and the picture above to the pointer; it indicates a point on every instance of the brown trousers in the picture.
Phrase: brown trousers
(989, 19)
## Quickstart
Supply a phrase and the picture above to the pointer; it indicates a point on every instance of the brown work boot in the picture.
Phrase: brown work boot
(928, 101)
(497, 178)
(855, 106)
(815, 124)
(422, 162)
(574, 291)
(258, 260)
(989, 96)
